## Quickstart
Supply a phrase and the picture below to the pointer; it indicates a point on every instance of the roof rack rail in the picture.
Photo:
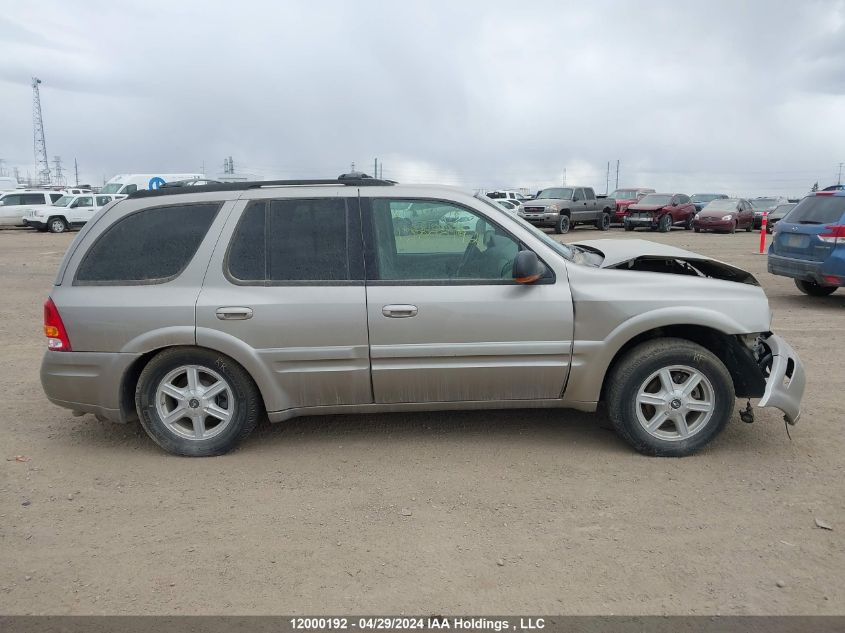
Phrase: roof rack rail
(355, 179)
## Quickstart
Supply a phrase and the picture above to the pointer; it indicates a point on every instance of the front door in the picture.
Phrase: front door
(447, 321)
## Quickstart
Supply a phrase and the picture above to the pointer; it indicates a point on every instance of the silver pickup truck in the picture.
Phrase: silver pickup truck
(564, 207)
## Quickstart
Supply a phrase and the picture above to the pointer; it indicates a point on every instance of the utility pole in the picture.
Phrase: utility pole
(352, 167)
(17, 173)
(57, 169)
(375, 168)
(231, 165)
(42, 166)
(607, 179)
(564, 176)
(617, 173)
(76, 171)
(839, 177)
(2, 169)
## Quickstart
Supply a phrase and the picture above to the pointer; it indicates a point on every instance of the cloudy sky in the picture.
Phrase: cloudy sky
(746, 97)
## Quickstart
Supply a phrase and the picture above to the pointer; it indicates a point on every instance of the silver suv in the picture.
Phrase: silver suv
(199, 311)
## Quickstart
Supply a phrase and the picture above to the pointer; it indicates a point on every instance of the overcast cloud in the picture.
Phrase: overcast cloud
(743, 97)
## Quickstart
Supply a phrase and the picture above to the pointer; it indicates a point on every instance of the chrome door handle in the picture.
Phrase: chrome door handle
(399, 311)
(234, 314)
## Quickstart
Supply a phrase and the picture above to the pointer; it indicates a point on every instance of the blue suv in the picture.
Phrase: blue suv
(809, 244)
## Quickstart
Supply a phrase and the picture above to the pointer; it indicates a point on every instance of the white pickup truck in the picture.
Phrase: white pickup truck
(68, 211)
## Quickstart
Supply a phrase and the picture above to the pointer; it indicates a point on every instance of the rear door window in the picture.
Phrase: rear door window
(818, 210)
(296, 241)
(149, 246)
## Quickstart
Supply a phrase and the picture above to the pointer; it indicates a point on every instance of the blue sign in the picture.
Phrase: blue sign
(155, 182)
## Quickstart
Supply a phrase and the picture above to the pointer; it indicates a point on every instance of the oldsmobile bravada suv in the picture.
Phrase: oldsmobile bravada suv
(199, 311)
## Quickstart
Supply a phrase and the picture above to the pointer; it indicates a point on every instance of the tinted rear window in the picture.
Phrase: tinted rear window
(151, 245)
(817, 210)
(291, 240)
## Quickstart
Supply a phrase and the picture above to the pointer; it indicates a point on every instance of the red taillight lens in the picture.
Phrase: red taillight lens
(54, 329)
(833, 234)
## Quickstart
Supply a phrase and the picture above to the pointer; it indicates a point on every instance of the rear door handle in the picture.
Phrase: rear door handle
(399, 311)
(234, 314)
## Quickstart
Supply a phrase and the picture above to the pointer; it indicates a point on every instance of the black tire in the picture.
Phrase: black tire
(813, 289)
(750, 228)
(603, 223)
(57, 225)
(688, 223)
(628, 226)
(637, 365)
(563, 224)
(697, 230)
(664, 225)
(246, 401)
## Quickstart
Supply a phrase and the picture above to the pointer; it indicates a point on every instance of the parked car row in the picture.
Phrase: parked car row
(47, 210)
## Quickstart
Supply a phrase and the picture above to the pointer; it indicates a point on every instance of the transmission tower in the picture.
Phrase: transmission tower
(57, 170)
(42, 167)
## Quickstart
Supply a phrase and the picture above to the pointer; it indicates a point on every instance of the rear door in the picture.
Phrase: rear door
(447, 322)
(284, 293)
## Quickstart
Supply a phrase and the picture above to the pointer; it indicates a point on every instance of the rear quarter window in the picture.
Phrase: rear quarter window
(818, 210)
(149, 246)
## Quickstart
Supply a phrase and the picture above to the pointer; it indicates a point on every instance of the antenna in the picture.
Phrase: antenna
(42, 166)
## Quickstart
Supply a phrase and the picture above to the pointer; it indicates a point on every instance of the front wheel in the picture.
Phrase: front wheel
(733, 228)
(665, 224)
(669, 397)
(562, 225)
(196, 402)
(57, 225)
(688, 223)
(629, 226)
(813, 289)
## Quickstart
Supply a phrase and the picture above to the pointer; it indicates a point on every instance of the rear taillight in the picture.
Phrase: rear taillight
(54, 329)
(833, 234)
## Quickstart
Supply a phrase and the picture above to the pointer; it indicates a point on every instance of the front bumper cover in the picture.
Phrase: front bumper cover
(786, 381)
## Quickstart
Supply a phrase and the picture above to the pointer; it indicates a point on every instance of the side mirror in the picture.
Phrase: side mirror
(527, 268)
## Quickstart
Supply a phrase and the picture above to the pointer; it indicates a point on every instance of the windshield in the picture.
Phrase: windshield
(555, 193)
(656, 199)
(570, 253)
(762, 203)
(705, 197)
(721, 205)
(817, 210)
(782, 209)
(112, 187)
(624, 194)
(63, 201)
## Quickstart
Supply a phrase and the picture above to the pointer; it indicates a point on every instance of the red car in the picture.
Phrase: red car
(661, 211)
(626, 197)
(726, 215)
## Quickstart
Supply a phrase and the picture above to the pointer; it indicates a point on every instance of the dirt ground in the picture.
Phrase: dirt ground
(481, 512)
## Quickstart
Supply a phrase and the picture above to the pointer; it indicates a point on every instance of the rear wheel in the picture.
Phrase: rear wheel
(688, 223)
(56, 225)
(603, 223)
(813, 289)
(196, 402)
(669, 397)
(562, 225)
(628, 226)
(750, 228)
(665, 224)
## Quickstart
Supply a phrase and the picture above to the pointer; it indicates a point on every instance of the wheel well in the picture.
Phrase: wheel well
(564, 212)
(746, 375)
(130, 382)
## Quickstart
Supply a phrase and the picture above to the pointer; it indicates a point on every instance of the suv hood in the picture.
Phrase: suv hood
(646, 256)
(647, 207)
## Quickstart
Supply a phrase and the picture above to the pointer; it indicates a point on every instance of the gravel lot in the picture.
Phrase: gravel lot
(488, 512)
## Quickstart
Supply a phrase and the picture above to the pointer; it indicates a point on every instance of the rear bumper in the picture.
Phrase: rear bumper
(86, 381)
(802, 269)
(786, 382)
